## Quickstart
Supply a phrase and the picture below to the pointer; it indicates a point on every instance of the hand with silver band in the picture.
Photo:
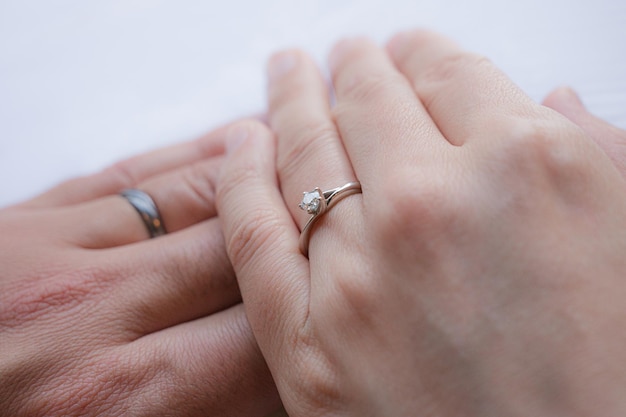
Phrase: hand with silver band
(97, 319)
(480, 270)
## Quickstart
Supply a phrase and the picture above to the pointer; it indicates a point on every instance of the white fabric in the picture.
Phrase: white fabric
(84, 83)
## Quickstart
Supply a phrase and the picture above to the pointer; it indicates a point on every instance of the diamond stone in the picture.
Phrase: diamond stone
(311, 201)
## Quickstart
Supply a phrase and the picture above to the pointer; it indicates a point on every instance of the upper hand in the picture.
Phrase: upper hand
(480, 272)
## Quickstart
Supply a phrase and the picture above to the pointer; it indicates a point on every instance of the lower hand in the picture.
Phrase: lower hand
(97, 319)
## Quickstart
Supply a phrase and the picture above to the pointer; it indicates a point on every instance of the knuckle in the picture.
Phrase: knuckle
(67, 381)
(451, 66)
(358, 295)
(203, 268)
(122, 173)
(371, 87)
(542, 145)
(315, 381)
(248, 236)
(235, 178)
(420, 207)
(309, 142)
(112, 383)
(538, 158)
(200, 181)
(559, 154)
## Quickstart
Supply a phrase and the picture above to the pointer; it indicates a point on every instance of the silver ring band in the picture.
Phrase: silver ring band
(317, 202)
(147, 209)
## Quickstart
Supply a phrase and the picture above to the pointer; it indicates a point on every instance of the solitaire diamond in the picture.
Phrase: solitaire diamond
(311, 201)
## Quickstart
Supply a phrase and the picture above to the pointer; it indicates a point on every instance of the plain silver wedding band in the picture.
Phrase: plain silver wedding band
(147, 209)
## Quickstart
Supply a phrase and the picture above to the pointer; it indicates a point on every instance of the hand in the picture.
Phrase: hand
(479, 273)
(96, 319)
(611, 139)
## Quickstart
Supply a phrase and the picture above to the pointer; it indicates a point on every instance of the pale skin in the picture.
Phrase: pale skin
(96, 319)
(479, 273)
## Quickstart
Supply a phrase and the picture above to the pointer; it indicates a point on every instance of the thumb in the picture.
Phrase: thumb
(610, 138)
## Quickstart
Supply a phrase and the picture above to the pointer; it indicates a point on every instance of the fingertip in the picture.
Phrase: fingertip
(263, 118)
(235, 137)
(397, 44)
(250, 158)
(562, 97)
(282, 63)
(405, 41)
(250, 154)
(248, 173)
(248, 131)
(343, 48)
(216, 142)
(572, 95)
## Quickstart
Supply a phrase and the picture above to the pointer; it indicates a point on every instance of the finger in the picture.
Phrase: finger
(129, 172)
(310, 153)
(379, 118)
(183, 197)
(262, 242)
(464, 93)
(163, 282)
(610, 138)
(210, 366)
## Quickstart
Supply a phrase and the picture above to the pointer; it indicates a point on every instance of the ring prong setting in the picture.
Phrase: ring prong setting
(311, 201)
(317, 202)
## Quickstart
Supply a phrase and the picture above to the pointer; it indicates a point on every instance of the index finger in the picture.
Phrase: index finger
(262, 243)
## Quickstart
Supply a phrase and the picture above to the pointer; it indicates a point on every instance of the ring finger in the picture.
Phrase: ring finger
(310, 152)
(131, 171)
(183, 197)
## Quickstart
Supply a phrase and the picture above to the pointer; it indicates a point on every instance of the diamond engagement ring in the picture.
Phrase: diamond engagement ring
(317, 202)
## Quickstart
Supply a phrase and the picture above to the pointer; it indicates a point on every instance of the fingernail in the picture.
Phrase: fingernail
(398, 43)
(339, 51)
(572, 96)
(235, 137)
(280, 64)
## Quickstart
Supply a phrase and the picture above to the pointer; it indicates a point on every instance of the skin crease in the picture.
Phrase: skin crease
(96, 319)
(480, 272)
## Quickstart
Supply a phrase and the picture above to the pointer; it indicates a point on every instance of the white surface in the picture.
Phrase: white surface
(84, 83)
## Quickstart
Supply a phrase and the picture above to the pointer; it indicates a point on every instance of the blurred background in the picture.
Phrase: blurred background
(85, 83)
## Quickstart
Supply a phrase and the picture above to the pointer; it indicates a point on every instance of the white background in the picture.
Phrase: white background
(86, 82)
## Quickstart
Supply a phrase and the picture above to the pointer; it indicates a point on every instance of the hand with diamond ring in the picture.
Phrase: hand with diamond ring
(480, 270)
(96, 319)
